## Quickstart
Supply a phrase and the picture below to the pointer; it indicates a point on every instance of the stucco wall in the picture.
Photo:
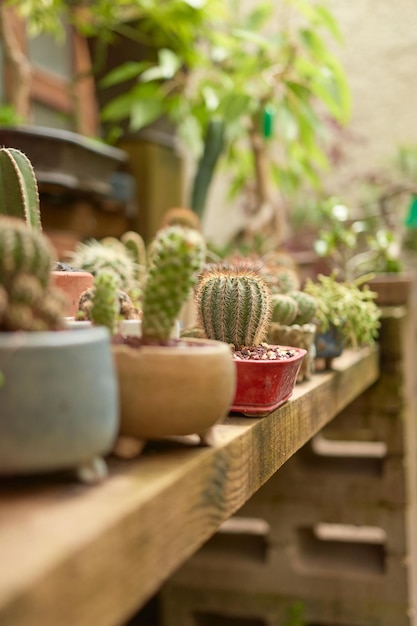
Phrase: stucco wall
(380, 58)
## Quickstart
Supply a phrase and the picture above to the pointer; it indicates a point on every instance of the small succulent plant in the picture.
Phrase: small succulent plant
(234, 304)
(19, 195)
(348, 306)
(176, 257)
(27, 301)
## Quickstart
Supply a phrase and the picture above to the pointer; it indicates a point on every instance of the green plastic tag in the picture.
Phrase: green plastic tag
(411, 218)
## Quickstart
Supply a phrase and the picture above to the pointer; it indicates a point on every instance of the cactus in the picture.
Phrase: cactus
(234, 305)
(284, 309)
(181, 217)
(23, 251)
(176, 256)
(105, 307)
(135, 246)
(90, 298)
(95, 257)
(307, 307)
(19, 195)
(281, 279)
(27, 301)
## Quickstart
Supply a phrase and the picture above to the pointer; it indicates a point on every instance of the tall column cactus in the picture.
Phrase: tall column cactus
(234, 305)
(19, 195)
(176, 256)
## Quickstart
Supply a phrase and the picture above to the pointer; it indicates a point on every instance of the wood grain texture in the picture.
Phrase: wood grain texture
(75, 555)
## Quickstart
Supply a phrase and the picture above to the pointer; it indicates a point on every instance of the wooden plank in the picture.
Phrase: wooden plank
(80, 555)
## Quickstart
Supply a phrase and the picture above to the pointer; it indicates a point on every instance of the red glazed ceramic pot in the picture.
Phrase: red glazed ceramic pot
(263, 386)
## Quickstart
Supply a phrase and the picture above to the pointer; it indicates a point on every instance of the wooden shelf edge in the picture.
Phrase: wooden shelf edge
(92, 555)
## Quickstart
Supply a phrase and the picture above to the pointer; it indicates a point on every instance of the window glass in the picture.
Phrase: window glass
(55, 57)
(43, 115)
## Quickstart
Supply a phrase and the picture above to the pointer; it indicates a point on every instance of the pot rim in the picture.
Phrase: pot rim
(53, 338)
(196, 345)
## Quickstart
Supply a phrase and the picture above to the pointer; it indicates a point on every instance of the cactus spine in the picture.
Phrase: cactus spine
(234, 305)
(27, 301)
(176, 256)
(284, 309)
(18, 188)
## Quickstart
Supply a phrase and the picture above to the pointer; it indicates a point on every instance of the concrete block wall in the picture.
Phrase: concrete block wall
(330, 532)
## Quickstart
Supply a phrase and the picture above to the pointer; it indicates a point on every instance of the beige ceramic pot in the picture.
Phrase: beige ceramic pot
(174, 390)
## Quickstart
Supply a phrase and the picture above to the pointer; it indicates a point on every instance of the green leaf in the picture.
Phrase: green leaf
(119, 108)
(144, 112)
(251, 37)
(327, 20)
(169, 64)
(234, 105)
(124, 72)
(258, 17)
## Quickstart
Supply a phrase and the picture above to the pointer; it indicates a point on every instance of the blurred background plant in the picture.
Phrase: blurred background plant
(375, 235)
(252, 91)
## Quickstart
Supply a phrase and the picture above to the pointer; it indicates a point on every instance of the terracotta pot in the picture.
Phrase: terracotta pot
(59, 402)
(72, 284)
(263, 386)
(174, 390)
(393, 288)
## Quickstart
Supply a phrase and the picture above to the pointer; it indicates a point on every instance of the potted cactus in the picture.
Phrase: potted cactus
(167, 386)
(58, 392)
(19, 197)
(292, 323)
(234, 304)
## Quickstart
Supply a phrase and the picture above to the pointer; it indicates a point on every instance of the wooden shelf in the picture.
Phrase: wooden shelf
(73, 555)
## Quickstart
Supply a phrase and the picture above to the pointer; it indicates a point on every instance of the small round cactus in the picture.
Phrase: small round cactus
(284, 309)
(281, 279)
(95, 257)
(176, 256)
(307, 307)
(234, 305)
(23, 250)
(27, 301)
